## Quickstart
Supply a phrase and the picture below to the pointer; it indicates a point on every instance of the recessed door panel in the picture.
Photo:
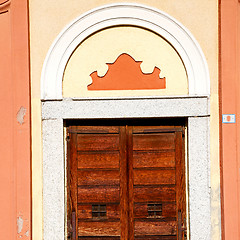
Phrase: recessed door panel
(126, 182)
(154, 187)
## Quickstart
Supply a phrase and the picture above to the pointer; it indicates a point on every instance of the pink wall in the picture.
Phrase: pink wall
(229, 104)
(15, 149)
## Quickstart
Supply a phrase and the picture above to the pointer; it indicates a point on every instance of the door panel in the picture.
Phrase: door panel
(157, 159)
(100, 177)
(85, 211)
(168, 210)
(154, 181)
(169, 237)
(100, 142)
(160, 141)
(153, 176)
(98, 160)
(154, 194)
(98, 194)
(126, 182)
(144, 228)
(97, 228)
(180, 186)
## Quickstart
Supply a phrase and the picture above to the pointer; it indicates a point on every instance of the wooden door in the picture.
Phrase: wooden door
(125, 182)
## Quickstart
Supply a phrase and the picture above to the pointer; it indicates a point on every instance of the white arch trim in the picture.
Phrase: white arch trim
(124, 14)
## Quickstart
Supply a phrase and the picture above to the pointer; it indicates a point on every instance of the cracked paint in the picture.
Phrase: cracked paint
(26, 233)
(19, 224)
(23, 227)
(21, 114)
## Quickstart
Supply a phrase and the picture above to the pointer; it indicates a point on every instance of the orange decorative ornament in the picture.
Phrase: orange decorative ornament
(125, 74)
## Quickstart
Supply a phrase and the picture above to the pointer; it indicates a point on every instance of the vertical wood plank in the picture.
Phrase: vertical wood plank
(159, 179)
(69, 201)
(184, 206)
(129, 130)
(73, 179)
(180, 184)
(123, 184)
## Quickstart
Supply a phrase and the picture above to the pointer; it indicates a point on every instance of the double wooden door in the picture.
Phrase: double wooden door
(125, 182)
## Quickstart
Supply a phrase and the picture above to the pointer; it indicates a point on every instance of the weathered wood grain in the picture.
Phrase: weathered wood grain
(124, 198)
(153, 177)
(153, 159)
(161, 141)
(98, 160)
(155, 228)
(98, 229)
(127, 168)
(156, 129)
(155, 194)
(85, 211)
(98, 177)
(156, 237)
(168, 210)
(100, 238)
(95, 129)
(98, 194)
(97, 142)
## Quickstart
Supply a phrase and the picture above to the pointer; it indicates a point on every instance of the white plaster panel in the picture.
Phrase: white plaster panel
(125, 108)
(198, 152)
(199, 178)
(53, 179)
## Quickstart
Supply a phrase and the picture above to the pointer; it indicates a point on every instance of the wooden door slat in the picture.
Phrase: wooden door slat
(101, 238)
(98, 194)
(156, 129)
(95, 129)
(153, 159)
(153, 141)
(99, 177)
(97, 142)
(155, 228)
(98, 160)
(99, 229)
(154, 194)
(158, 237)
(153, 177)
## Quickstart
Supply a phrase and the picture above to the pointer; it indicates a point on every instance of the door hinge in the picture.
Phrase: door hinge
(68, 137)
(73, 225)
(182, 229)
(183, 133)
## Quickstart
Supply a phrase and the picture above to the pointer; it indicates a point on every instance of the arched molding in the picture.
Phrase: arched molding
(4, 6)
(124, 14)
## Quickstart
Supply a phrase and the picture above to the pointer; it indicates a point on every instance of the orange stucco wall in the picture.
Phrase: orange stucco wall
(229, 104)
(15, 181)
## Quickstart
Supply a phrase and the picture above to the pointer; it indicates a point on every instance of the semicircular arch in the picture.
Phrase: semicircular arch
(124, 14)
